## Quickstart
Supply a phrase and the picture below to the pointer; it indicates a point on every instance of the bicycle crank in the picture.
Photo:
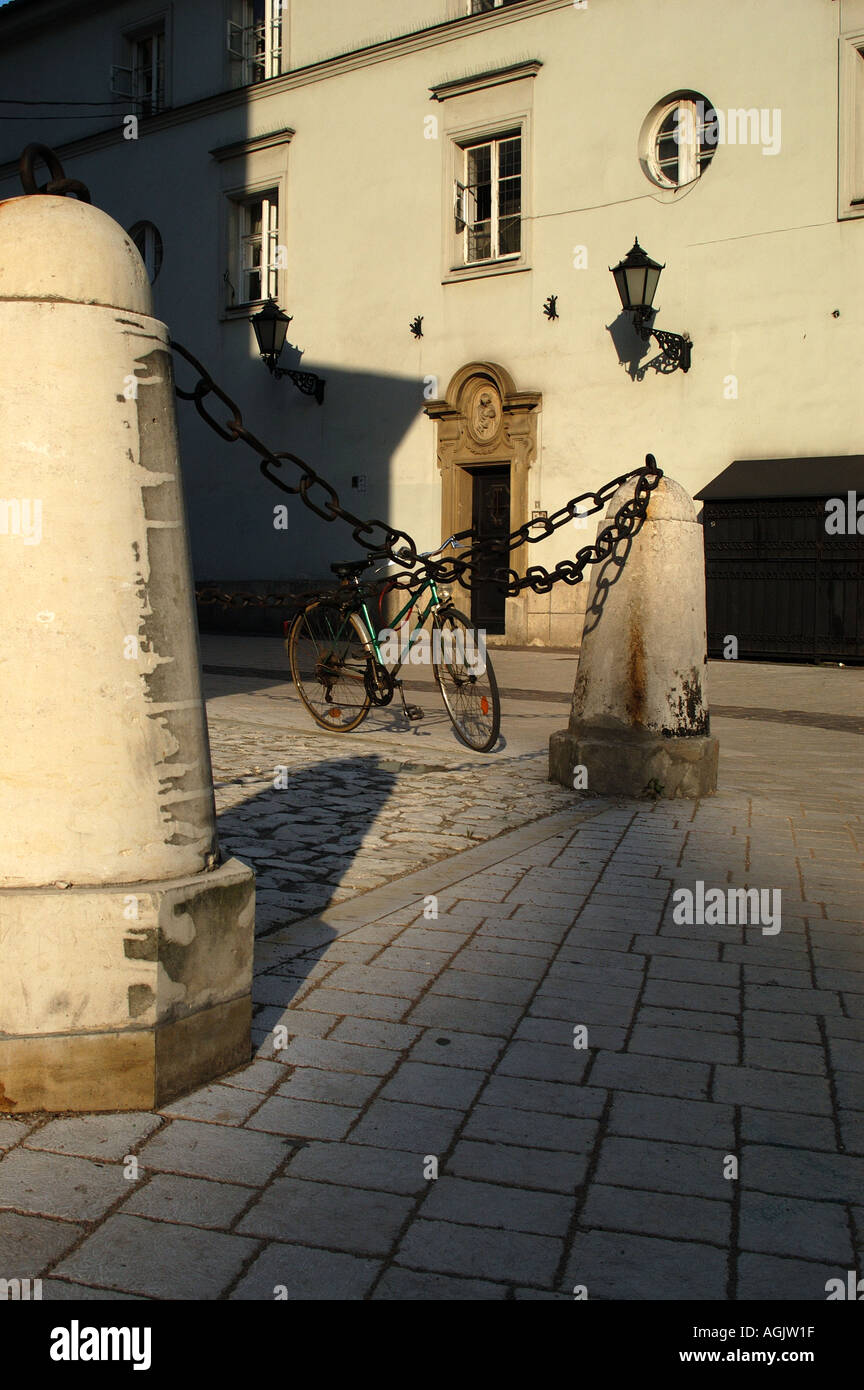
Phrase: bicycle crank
(379, 684)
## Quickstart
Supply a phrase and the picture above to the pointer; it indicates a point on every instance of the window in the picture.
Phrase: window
(149, 243)
(257, 254)
(255, 41)
(142, 77)
(148, 72)
(851, 143)
(681, 140)
(481, 6)
(489, 200)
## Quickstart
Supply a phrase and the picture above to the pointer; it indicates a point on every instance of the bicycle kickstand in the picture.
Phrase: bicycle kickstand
(412, 712)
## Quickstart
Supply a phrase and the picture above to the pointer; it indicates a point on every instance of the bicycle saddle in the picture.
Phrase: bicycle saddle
(346, 568)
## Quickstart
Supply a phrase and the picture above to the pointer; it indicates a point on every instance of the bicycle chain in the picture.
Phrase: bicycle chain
(626, 521)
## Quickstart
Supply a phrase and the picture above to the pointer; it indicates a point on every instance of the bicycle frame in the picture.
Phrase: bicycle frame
(434, 602)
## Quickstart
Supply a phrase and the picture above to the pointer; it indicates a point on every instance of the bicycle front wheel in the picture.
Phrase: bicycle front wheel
(328, 658)
(466, 681)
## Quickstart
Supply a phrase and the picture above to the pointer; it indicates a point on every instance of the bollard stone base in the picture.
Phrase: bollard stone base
(123, 997)
(633, 762)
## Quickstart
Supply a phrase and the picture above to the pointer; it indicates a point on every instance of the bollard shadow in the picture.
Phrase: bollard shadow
(303, 840)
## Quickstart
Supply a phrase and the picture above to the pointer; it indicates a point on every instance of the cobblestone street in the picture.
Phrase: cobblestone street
(490, 1061)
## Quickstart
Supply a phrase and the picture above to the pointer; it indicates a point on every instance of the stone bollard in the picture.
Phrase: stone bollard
(639, 723)
(125, 949)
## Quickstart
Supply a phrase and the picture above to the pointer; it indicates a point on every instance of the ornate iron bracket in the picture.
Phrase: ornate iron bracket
(307, 382)
(675, 349)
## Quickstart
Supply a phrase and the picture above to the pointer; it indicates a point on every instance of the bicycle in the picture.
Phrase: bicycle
(341, 668)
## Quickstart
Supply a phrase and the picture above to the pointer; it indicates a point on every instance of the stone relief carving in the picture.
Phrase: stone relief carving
(484, 413)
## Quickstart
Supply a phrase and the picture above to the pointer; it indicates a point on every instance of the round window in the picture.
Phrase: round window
(679, 140)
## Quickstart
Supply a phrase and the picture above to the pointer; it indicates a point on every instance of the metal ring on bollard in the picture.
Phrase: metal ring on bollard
(58, 183)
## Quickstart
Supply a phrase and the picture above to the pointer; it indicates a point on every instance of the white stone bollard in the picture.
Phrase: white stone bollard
(639, 723)
(125, 952)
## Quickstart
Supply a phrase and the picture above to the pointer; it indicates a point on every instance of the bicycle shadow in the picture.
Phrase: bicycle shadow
(435, 722)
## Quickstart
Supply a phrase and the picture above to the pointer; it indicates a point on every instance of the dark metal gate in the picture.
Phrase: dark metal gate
(780, 584)
(490, 521)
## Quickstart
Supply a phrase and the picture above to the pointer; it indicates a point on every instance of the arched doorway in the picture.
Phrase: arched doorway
(486, 445)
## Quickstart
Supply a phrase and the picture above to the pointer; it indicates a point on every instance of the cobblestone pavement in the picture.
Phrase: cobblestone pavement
(344, 824)
(544, 1087)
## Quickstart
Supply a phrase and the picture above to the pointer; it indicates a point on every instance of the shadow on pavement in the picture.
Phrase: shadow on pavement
(300, 833)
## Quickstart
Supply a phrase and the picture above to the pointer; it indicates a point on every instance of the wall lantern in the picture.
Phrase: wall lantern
(636, 278)
(271, 326)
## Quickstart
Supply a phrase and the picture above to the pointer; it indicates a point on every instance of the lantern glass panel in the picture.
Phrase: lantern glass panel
(636, 285)
(621, 283)
(652, 278)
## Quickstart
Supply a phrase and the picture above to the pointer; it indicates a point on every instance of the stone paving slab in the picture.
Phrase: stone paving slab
(306, 1273)
(188, 1201)
(157, 1259)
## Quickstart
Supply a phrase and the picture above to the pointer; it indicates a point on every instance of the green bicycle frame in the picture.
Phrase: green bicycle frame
(413, 600)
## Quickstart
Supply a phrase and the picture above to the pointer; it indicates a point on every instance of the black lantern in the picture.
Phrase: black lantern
(636, 279)
(271, 327)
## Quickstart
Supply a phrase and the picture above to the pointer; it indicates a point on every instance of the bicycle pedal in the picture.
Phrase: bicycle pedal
(414, 712)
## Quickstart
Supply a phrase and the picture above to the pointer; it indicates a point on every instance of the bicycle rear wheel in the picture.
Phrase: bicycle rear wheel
(328, 658)
(468, 686)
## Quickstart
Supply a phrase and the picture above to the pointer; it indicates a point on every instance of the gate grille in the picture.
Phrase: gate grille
(780, 584)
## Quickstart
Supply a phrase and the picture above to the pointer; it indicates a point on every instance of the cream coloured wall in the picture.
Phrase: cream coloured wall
(341, 26)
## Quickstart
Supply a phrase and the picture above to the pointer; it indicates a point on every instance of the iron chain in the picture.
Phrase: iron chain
(386, 542)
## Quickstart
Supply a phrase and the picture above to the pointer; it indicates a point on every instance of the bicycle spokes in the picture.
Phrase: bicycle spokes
(468, 687)
(329, 665)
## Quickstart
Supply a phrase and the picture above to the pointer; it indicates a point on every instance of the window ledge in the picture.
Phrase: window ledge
(239, 148)
(496, 78)
(480, 272)
(242, 311)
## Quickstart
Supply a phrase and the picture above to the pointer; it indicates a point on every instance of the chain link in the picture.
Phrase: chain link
(383, 541)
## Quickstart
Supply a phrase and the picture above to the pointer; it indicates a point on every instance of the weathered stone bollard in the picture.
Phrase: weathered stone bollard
(639, 722)
(125, 952)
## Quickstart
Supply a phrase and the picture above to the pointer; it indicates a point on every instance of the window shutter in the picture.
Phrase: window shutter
(121, 82)
(235, 41)
(464, 205)
(270, 249)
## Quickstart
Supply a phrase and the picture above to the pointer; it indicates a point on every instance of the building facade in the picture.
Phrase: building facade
(435, 191)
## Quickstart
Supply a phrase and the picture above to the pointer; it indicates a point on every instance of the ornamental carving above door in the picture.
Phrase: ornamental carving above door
(485, 422)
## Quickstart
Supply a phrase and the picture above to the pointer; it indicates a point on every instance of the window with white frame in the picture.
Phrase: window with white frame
(851, 142)
(149, 243)
(254, 273)
(682, 141)
(489, 199)
(255, 40)
(481, 6)
(142, 77)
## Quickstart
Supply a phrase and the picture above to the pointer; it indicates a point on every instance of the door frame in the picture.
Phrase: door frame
(483, 421)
